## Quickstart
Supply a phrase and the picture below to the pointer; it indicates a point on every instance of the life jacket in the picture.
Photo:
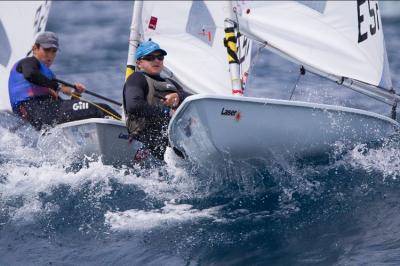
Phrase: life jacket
(157, 91)
(21, 90)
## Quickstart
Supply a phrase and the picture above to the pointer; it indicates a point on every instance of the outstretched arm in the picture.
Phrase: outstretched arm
(79, 88)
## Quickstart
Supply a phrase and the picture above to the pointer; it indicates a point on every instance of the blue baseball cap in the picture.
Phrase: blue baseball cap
(148, 47)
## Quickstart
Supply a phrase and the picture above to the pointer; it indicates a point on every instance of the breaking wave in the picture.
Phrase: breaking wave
(207, 218)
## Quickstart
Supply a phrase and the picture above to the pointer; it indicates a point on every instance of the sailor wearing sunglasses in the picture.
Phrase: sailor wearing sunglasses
(150, 100)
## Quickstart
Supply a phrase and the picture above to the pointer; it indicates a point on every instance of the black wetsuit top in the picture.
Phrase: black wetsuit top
(29, 67)
(135, 93)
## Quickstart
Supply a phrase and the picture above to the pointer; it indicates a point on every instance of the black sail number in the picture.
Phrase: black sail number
(40, 18)
(371, 18)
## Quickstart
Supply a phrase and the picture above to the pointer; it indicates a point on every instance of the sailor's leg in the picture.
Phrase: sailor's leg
(39, 112)
(155, 141)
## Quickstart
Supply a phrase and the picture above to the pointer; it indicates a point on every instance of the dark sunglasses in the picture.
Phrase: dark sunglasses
(152, 57)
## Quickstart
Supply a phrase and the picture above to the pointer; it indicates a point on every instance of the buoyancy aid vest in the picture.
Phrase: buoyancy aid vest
(21, 90)
(157, 91)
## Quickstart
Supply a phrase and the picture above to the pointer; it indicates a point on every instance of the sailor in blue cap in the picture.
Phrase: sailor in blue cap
(150, 100)
(148, 47)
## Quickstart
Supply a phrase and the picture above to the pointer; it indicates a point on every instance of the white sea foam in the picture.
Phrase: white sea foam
(167, 182)
(169, 215)
(24, 184)
(26, 173)
(17, 146)
(385, 159)
(28, 170)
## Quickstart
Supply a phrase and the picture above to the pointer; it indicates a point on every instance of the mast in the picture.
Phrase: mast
(134, 37)
(230, 42)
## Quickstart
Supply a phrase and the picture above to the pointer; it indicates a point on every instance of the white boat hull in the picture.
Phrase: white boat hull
(209, 128)
(102, 138)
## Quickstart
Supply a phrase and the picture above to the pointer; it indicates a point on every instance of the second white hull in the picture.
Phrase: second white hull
(103, 138)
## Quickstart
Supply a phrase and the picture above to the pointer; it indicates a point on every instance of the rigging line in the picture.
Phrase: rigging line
(358, 86)
(301, 73)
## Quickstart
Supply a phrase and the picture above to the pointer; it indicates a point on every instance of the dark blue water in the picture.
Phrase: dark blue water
(345, 212)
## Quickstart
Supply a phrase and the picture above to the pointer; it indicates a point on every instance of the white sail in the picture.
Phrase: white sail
(340, 38)
(192, 33)
(20, 21)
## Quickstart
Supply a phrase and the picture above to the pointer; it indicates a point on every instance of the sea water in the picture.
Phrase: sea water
(342, 213)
